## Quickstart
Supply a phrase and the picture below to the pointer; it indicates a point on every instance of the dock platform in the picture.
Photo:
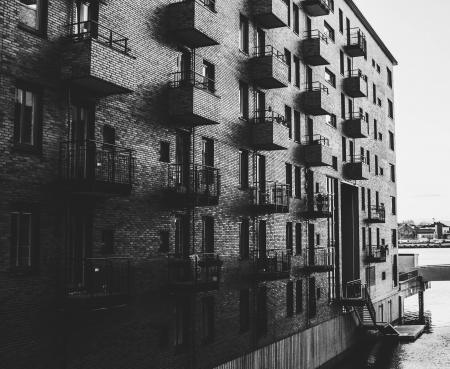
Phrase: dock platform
(409, 332)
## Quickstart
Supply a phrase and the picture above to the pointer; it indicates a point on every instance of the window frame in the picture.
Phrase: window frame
(41, 29)
(244, 34)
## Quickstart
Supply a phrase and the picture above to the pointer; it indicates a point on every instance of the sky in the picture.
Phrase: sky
(416, 32)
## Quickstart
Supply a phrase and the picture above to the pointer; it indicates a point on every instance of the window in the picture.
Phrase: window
(163, 241)
(363, 238)
(392, 166)
(27, 117)
(243, 34)
(380, 136)
(331, 120)
(335, 162)
(209, 75)
(243, 99)
(289, 176)
(379, 101)
(375, 129)
(331, 5)
(344, 149)
(317, 239)
(244, 310)
(207, 319)
(32, 14)
(378, 69)
(389, 77)
(298, 296)
(330, 77)
(23, 254)
(289, 237)
(208, 234)
(394, 237)
(341, 21)
(381, 171)
(164, 151)
(329, 31)
(296, 18)
(298, 182)
(312, 298)
(394, 205)
(374, 93)
(243, 169)
(370, 276)
(288, 117)
(290, 298)
(342, 106)
(288, 4)
(376, 165)
(391, 141)
(383, 276)
(244, 238)
(287, 55)
(368, 158)
(390, 109)
(108, 242)
(297, 71)
(363, 199)
(342, 62)
(296, 126)
(373, 63)
(298, 238)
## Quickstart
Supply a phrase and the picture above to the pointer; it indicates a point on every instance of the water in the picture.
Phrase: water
(432, 349)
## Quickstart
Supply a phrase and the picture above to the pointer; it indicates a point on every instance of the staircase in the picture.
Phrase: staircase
(357, 297)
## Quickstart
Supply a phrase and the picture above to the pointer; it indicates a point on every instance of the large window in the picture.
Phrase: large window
(298, 238)
(287, 55)
(298, 182)
(296, 71)
(243, 169)
(243, 34)
(244, 239)
(288, 117)
(27, 116)
(390, 109)
(296, 20)
(289, 237)
(243, 99)
(23, 239)
(330, 77)
(32, 14)
(208, 234)
(389, 77)
(296, 126)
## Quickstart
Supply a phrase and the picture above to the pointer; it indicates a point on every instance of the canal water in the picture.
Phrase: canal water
(432, 349)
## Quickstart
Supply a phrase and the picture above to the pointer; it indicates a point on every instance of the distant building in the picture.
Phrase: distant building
(407, 231)
(432, 231)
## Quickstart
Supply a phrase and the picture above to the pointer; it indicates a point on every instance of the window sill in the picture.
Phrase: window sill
(36, 32)
(27, 149)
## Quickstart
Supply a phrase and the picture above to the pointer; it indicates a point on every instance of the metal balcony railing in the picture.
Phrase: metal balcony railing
(210, 4)
(355, 290)
(316, 86)
(91, 29)
(97, 161)
(269, 116)
(357, 73)
(195, 269)
(272, 194)
(355, 116)
(406, 276)
(194, 179)
(355, 159)
(356, 38)
(320, 257)
(269, 50)
(273, 261)
(315, 140)
(192, 79)
(377, 213)
(315, 33)
(97, 277)
(377, 253)
(319, 202)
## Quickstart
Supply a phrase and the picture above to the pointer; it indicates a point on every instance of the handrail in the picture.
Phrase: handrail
(378, 252)
(273, 261)
(354, 289)
(377, 212)
(315, 140)
(97, 143)
(355, 115)
(269, 116)
(319, 202)
(355, 159)
(194, 178)
(194, 79)
(92, 29)
(357, 38)
(271, 193)
(315, 33)
(406, 276)
(316, 86)
(357, 73)
(269, 50)
(319, 256)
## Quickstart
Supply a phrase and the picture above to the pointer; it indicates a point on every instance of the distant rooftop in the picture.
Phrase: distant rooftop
(372, 32)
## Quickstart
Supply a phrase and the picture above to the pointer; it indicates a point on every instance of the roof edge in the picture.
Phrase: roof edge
(372, 32)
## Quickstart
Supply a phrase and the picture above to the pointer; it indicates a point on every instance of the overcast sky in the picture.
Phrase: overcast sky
(417, 34)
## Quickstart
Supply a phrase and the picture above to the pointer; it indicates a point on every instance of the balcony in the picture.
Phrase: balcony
(317, 151)
(318, 259)
(97, 283)
(195, 23)
(316, 100)
(315, 49)
(377, 214)
(317, 206)
(96, 168)
(97, 60)
(356, 43)
(268, 68)
(270, 13)
(270, 131)
(197, 272)
(193, 185)
(355, 84)
(355, 126)
(271, 197)
(192, 100)
(272, 265)
(316, 8)
(377, 254)
(355, 291)
(357, 169)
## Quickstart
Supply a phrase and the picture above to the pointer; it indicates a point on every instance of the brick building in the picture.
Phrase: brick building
(193, 184)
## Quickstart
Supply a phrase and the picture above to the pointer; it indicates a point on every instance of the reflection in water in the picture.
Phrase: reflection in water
(431, 350)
